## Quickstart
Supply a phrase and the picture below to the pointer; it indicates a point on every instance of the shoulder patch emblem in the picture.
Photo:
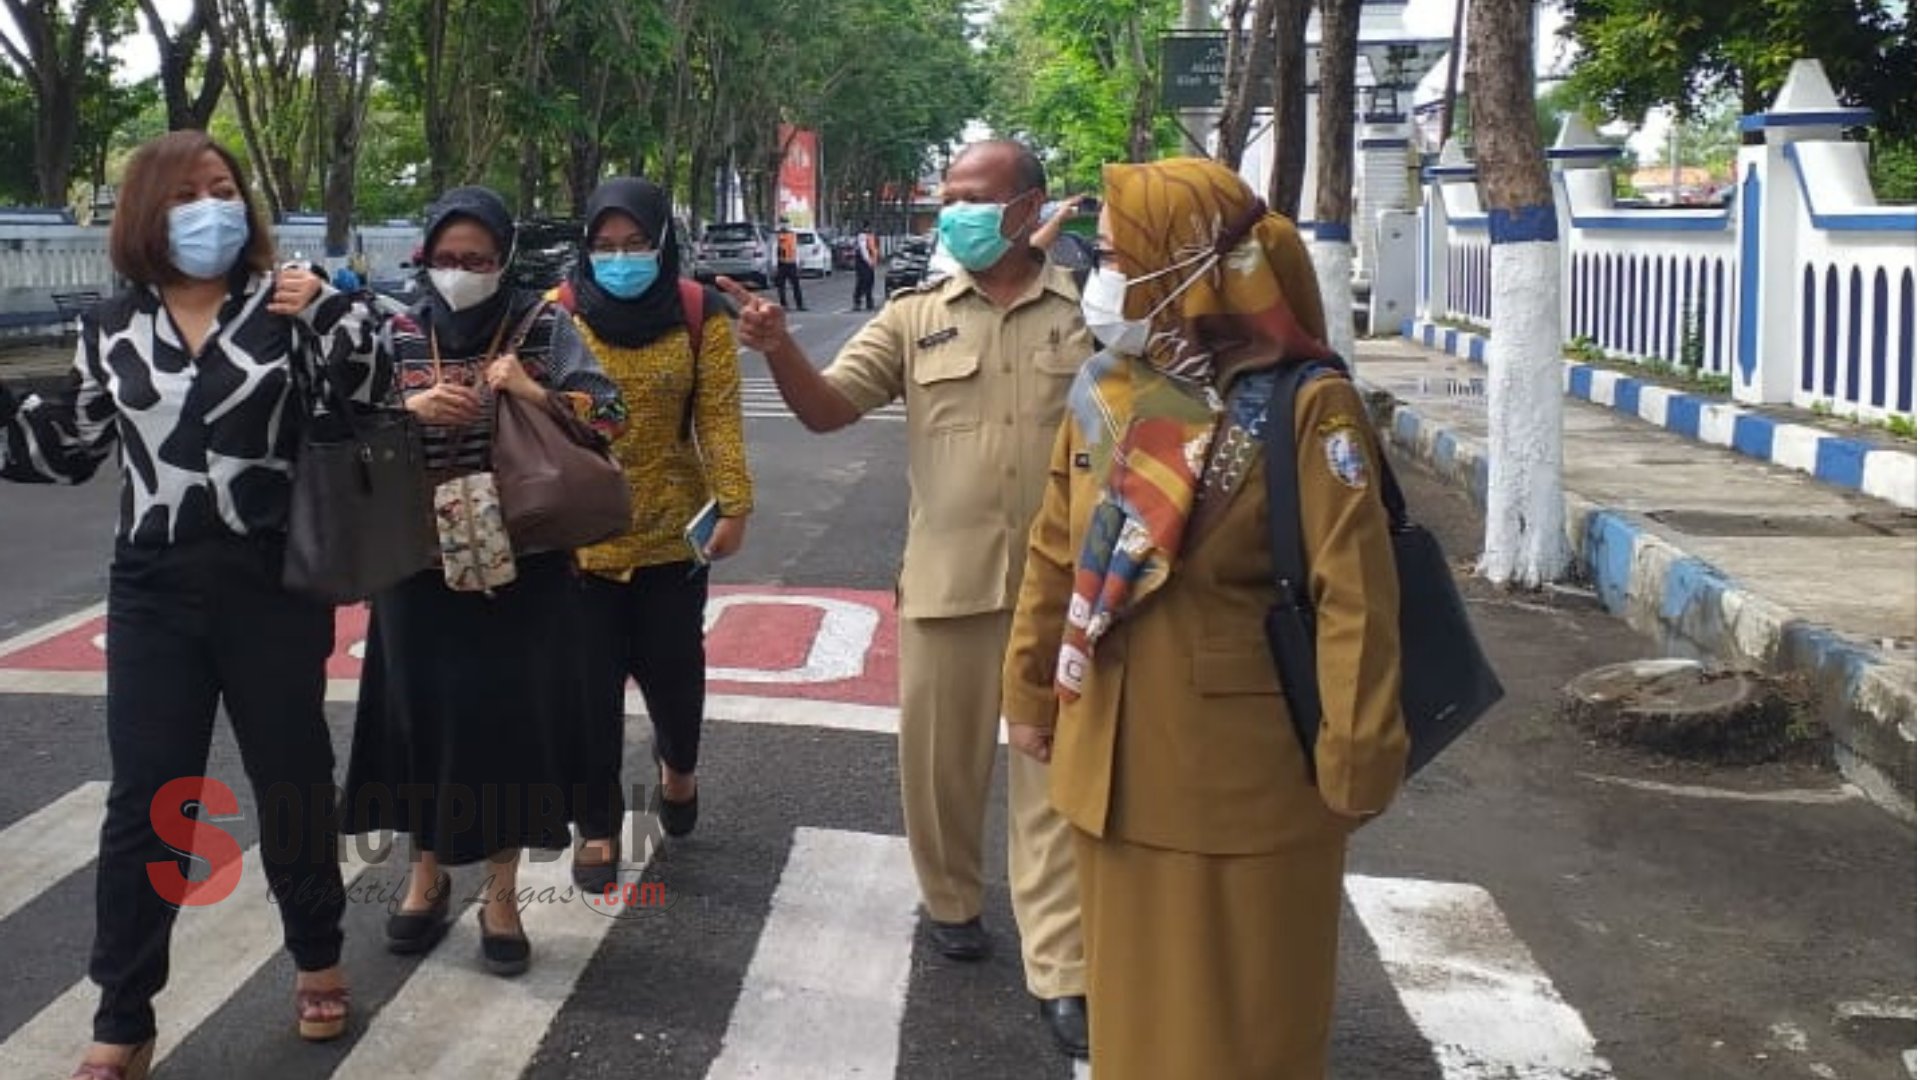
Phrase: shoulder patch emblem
(1345, 459)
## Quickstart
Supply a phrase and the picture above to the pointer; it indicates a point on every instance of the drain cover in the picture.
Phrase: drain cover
(1718, 523)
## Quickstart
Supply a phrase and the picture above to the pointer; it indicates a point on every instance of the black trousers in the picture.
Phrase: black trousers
(651, 628)
(191, 627)
(784, 273)
(862, 285)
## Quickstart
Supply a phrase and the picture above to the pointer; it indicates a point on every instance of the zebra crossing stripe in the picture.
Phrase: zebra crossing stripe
(47, 845)
(1470, 985)
(827, 987)
(453, 1018)
(222, 946)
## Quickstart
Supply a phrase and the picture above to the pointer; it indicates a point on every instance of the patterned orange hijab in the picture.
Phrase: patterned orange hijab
(1247, 300)
(1240, 313)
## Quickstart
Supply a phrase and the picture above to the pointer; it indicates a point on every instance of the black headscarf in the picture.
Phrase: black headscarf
(641, 320)
(467, 333)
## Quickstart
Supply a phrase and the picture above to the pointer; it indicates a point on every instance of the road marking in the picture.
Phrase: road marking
(50, 843)
(215, 950)
(1470, 985)
(839, 649)
(1845, 793)
(53, 629)
(827, 987)
(453, 1018)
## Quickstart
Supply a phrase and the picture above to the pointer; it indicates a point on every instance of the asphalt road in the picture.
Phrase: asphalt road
(1529, 890)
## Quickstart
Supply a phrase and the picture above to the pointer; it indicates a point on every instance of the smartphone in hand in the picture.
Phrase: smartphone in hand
(699, 531)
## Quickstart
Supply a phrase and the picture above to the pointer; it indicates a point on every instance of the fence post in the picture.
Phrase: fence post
(1766, 354)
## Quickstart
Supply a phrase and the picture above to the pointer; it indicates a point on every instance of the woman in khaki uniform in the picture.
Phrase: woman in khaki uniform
(1209, 863)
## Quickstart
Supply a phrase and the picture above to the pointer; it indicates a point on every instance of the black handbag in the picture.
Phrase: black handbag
(1446, 684)
(361, 513)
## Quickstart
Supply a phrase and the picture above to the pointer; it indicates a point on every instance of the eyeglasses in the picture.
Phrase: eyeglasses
(473, 262)
(1104, 256)
(635, 246)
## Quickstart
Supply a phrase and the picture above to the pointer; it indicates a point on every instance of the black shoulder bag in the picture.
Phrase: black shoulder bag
(1446, 683)
(361, 513)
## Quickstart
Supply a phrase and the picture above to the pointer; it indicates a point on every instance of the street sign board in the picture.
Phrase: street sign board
(1193, 70)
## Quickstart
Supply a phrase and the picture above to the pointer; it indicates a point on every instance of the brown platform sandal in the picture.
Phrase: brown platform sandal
(136, 1067)
(314, 1026)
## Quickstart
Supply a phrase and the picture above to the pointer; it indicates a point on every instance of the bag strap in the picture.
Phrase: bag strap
(693, 302)
(1283, 488)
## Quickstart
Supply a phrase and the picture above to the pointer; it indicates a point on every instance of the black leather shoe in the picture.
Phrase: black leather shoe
(594, 878)
(677, 819)
(960, 941)
(413, 932)
(1067, 1019)
(503, 954)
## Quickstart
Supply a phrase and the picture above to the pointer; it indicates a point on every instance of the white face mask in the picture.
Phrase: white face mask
(462, 289)
(1102, 302)
(1103, 305)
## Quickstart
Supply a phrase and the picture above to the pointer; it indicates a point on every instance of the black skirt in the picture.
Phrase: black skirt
(467, 708)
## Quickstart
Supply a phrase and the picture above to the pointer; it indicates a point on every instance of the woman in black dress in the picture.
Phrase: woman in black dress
(467, 697)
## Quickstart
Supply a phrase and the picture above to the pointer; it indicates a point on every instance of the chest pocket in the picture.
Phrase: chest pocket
(1055, 365)
(946, 379)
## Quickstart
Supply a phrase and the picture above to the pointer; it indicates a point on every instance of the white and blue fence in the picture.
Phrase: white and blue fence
(44, 255)
(1800, 289)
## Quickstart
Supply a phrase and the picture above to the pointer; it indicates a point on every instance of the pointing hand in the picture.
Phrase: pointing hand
(763, 323)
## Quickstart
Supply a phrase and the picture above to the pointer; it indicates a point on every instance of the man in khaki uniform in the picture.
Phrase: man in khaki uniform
(983, 360)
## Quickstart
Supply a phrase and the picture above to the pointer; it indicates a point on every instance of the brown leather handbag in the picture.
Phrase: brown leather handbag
(560, 488)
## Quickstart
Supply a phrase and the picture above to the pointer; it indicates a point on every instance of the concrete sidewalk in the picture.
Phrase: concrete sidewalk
(1715, 554)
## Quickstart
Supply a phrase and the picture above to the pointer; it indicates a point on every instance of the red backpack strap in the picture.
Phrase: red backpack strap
(693, 303)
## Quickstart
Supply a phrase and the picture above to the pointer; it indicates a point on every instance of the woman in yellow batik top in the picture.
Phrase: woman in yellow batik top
(1209, 863)
(646, 592)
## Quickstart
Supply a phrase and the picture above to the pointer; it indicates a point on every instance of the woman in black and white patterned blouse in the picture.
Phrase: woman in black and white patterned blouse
(187, 374)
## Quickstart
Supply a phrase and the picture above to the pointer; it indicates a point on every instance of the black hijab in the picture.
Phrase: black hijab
(469, 332)
(643, 319)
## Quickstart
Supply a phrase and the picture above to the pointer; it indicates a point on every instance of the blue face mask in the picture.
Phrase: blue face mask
(204, 237)
(626, 276)
(970, 232)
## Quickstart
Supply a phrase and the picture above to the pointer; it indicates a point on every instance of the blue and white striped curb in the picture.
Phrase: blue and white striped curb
(1843, 462)
(1661, 590)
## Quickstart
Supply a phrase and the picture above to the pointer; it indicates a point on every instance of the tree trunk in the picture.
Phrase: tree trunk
(186, 109)
(1289, 106)
(1249, 55)
(1146, 97)
(53, 64)
(1333, 192)
(437, 113)
(1526, 535)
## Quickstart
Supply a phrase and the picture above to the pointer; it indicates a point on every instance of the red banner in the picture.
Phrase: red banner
(799, 176)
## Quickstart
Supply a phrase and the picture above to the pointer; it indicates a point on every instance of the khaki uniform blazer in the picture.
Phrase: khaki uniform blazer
(1181, 738)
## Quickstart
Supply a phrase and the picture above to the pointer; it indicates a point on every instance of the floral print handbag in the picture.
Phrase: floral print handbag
(475, 554)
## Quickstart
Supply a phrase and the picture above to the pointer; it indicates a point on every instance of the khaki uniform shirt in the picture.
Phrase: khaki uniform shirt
(984, 388)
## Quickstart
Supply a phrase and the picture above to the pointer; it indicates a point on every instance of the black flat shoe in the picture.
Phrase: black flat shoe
(1067, 1018)
(965, 941)
(503, 954)
(677, 819)
(410, 933)
(595, 878)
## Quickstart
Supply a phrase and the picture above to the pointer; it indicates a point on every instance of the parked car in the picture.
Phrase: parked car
(908, 265)
(845, 251)
(815, 259)
(741, 250)
(544, 252)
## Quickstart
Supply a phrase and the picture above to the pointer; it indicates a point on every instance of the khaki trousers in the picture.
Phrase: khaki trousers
(949, 737)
